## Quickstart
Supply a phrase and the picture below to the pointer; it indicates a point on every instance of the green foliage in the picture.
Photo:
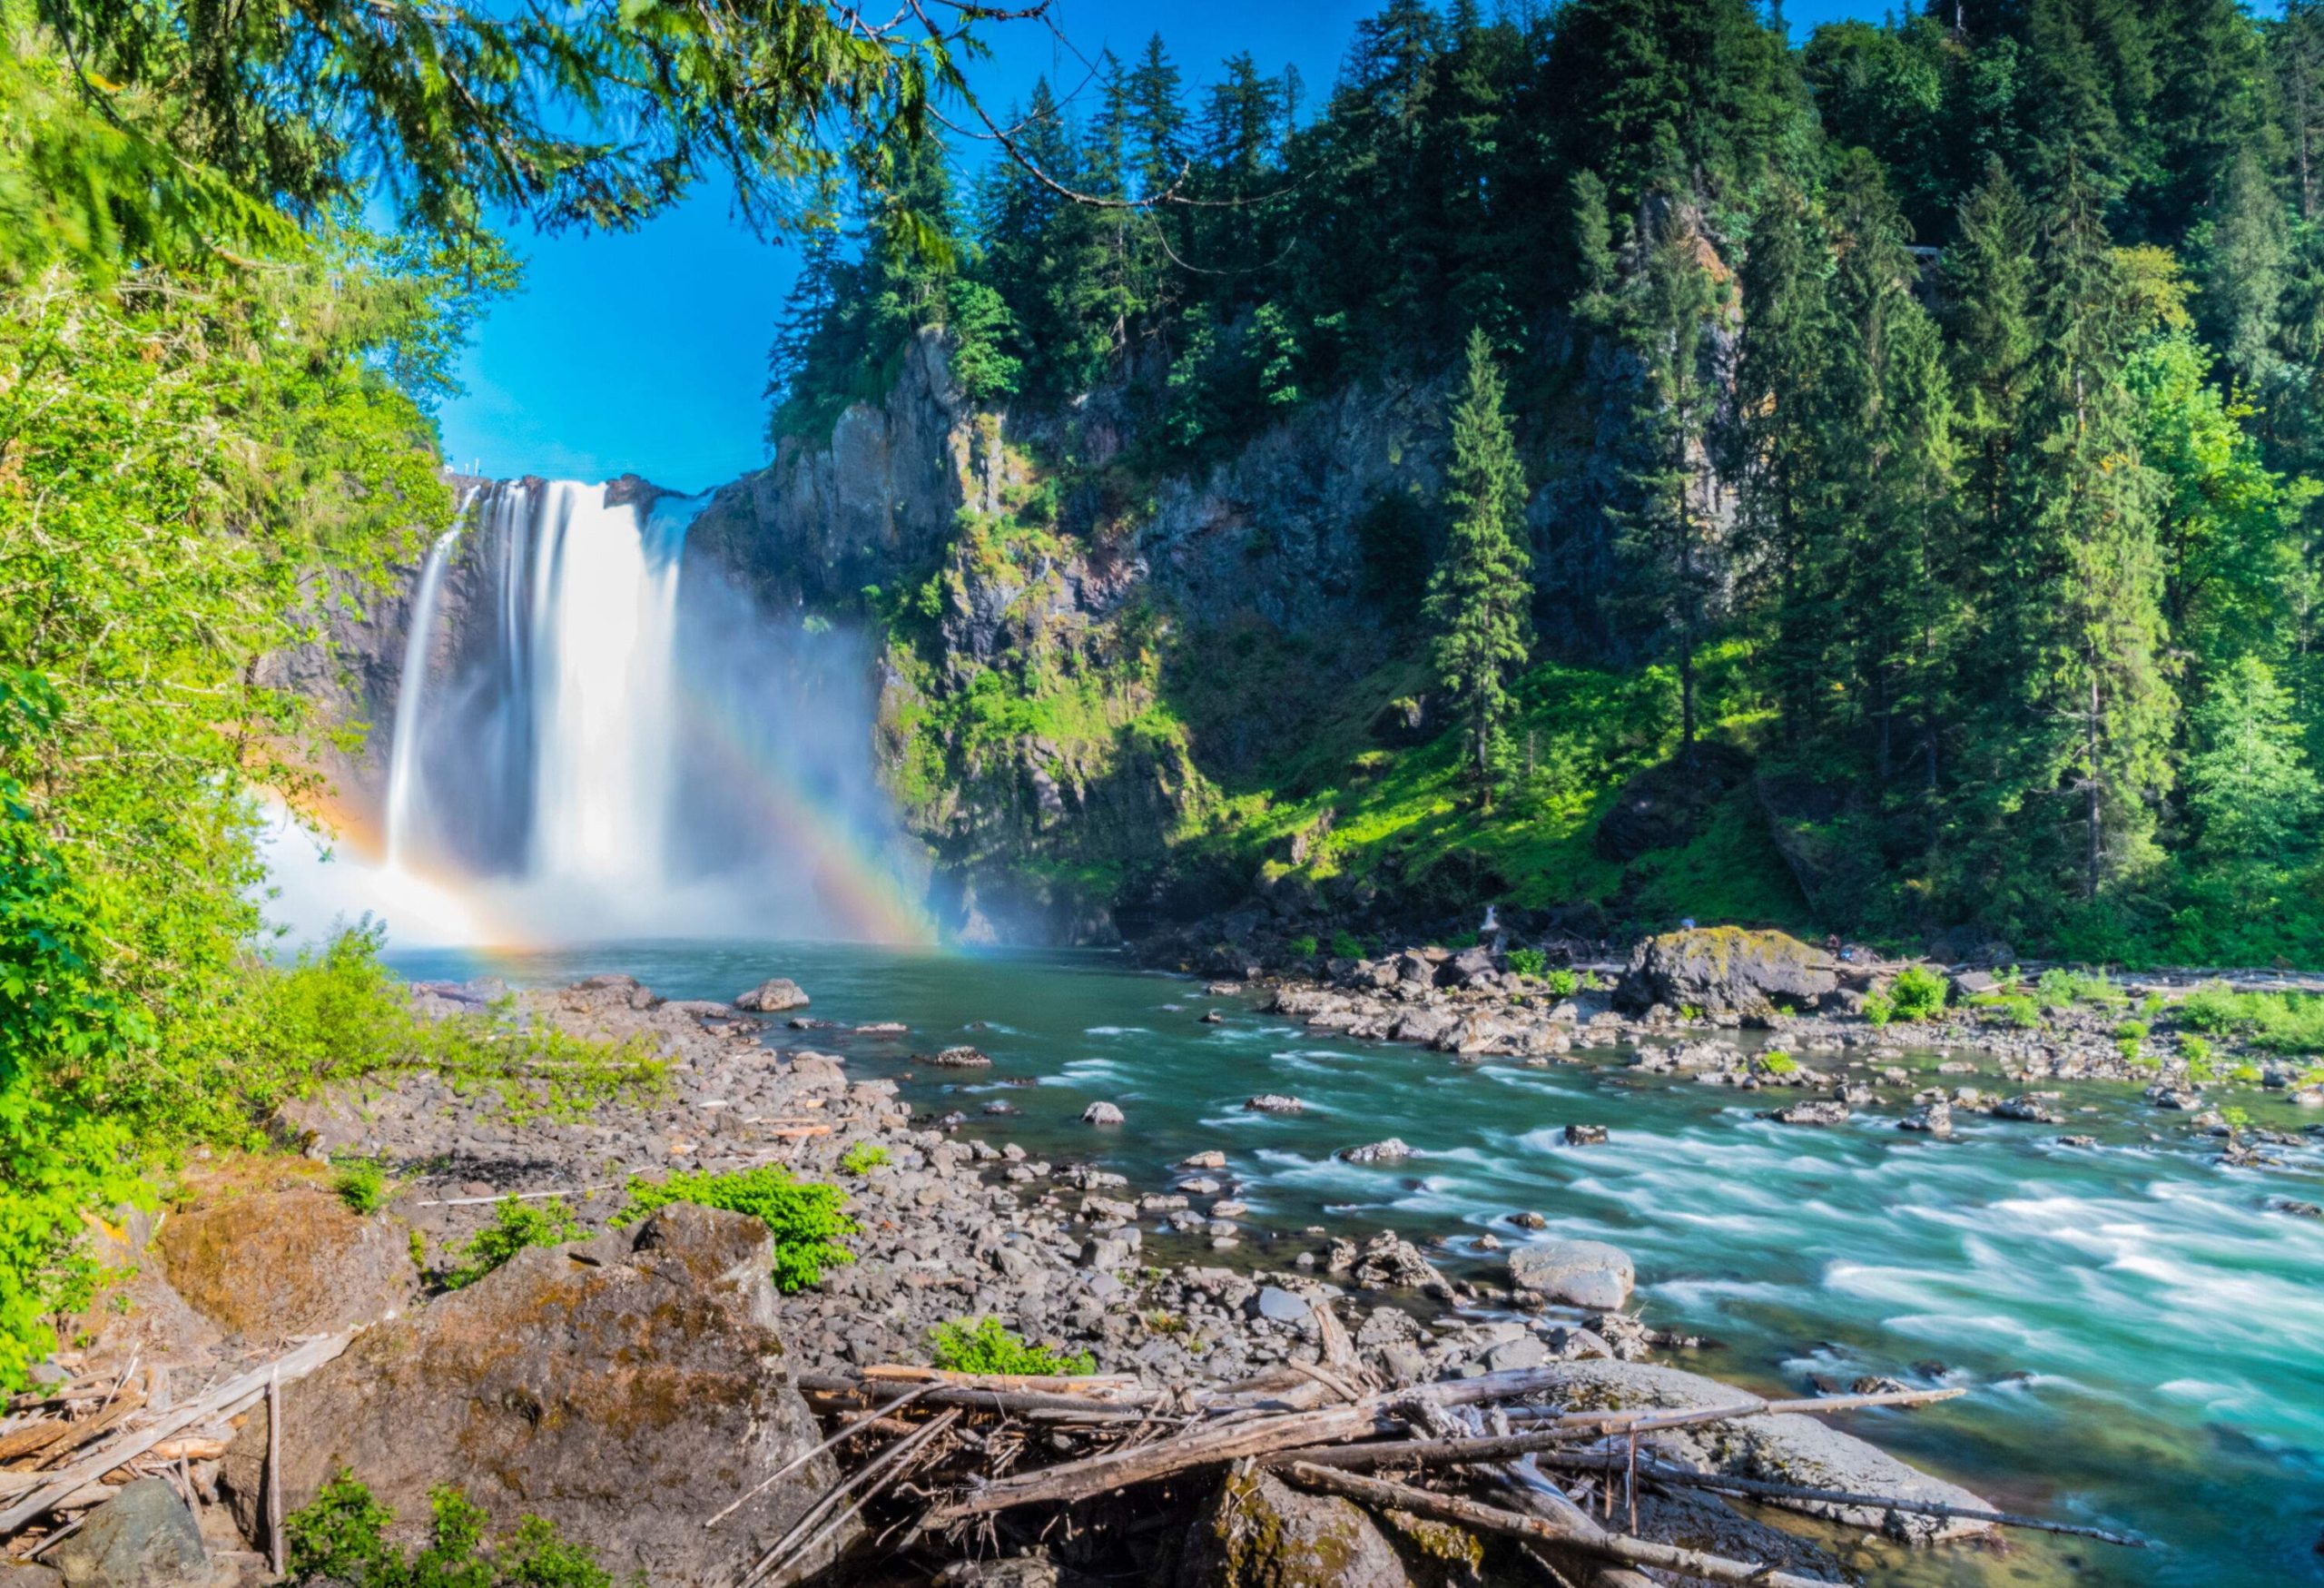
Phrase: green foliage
(340, 1538)
(1879, 1008)
(1776, 1061)
(864, 1158)
(984, 1346)
(2274, 1022)
(1345, 946)
(2131, 1031)
(1564, 983)
(803, 1216)
(362, 1184)
(1528, 961)
(2012, 1009)
(2063, 989)
(517, 1225)
(1918, 993)
(1302, 948)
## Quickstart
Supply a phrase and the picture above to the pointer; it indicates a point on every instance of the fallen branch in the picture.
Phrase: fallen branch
(1604, 1545)
(1646, 1419)
(229, 1399)
(872, 1419)
(510, 1197)
(808, 1528)
(1663, 1472)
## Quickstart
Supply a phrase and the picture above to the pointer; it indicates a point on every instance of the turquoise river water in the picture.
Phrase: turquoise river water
(2143, 1341)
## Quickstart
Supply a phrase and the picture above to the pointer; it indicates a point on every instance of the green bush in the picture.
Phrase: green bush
(2274, 1022)
(2195, 1049)
(340, 1538)
(2063, 989)
(1564, 983)
(1345, 946)
(516, 1226)
(1528, 961)
(1302, 948)
(2131, 1031)
(1879, 1009)
(1918, 993)
(803, 1216)
(984, 1346)
(864, 1158)
(2009, 1009)
(361, 1184)
(1776, 1061)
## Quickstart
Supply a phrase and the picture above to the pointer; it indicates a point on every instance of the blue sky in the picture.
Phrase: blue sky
(645, 352)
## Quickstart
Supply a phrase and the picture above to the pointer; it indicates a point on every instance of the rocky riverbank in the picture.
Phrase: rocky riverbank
(526, 1386)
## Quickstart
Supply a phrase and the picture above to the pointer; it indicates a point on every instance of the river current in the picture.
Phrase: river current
(2143, 1340)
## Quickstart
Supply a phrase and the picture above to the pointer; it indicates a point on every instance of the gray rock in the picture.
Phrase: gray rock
(582, 1384)
(1392, 1150)
(143, 1537)
(1274, 1103)
(773, 997)
(1278, 1305)
(1101, 1113)
(1814, 1111)
(960, 1058)
(1936, 1119)
(1585, 1135)
(275, 1263)
(1260, 1533)
(1724, 969)
(1587, 1274)
(1525, 1351)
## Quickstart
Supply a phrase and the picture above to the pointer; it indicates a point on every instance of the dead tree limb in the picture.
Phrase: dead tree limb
(1612, 1546)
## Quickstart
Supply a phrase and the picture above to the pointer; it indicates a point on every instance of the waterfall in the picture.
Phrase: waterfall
(411, 691)
(555, 761)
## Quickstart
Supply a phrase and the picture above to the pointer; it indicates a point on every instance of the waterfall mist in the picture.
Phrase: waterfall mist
(596, 737)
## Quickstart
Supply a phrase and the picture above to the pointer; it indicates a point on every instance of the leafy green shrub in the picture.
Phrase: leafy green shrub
(1564, 983)
(2215, 1009)
(803, 1216)
(1345, 946)
(864, 1158)
(516, 1226)
(1528, 961)
(340, 1537)
(1878, 1009)
(2063, 989)
(2243, 1074)
(2195, 1049)
(984, 1346)
(1776, 1061)
(361, 1184)
(1918, 993)
(2009, 1009)
(1692, 1012)
(2131, 1031)
(1302, 948)
(2150, 1005)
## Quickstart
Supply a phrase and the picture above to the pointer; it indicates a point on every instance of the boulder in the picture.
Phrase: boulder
(273, 1264)
(627, 1389)
(1279, 1305)
(143, 1537)
(1724, 971)
(1936, 1119)
(1587, 1274)
(960, 1058)
(773, 997)
(1392, 1150)
(1274, 1103)
(1101, 1114)
(1814, 1111)
(1260, 1533)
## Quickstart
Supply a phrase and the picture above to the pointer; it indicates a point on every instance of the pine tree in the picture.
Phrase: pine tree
(2250, 790)
(2243, 275)
(1479, 596)
(1988, 276)
(2294, 47)
(806, 308)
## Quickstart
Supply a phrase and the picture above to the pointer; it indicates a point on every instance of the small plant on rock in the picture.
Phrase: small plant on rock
(2195, 1049)
(1564, 983)
(1776, 1061)
(340, 1538)
(1304, 948)
(864, 1158)
(1879, 1008)
(1918, 993)
(1346, 946)
(1528, 961)
(983, 1345)
(516, 1226)
(361, 1184)
(803, 1216)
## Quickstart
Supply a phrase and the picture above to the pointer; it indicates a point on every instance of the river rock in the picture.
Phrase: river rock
(1212, 1158)
(1936, 1120)
(1814, 1111)
(1274, 1103)
(1260, 1533)
(1101, 1113)
(627, 1389)
(143, 1537)
(274, 1264)
(773, 997)
(1786, 1448)
(1280, 1306)
(1724, 970)
(1585, 1135)
(961, 1058)
(1392, 1150)
(1587, 1274)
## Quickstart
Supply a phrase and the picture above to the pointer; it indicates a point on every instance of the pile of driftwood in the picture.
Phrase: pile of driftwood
(68, 1449)
(949, 1453)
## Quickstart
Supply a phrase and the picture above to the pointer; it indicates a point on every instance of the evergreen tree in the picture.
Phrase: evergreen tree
(2243, 276)
(1479, 594)
(2252, 794)
(1988, 275)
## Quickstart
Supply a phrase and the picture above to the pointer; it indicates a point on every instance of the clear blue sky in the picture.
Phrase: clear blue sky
(645, 352)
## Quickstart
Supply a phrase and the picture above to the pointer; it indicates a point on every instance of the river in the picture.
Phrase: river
(2142, 1342)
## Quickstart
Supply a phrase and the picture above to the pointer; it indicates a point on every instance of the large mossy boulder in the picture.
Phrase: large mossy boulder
(143, 1537)
(628, 1389)
(1259, 1531)
(273, 1265)
(1724, 971)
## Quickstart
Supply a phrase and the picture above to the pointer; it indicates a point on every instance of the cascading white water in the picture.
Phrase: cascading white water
(601, 667)
(411, 692)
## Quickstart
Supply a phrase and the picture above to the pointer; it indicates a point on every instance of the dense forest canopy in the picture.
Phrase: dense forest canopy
(1960, 374)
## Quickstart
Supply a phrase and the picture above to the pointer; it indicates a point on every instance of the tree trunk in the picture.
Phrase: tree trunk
(2095, 849)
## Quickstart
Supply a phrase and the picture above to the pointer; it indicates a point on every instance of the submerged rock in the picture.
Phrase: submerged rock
(1101, 1113)
(1274, 1103)
(773, 997)
(1815, 1111)
(1577, 1273)
(961, 1058)
(627, 1389)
